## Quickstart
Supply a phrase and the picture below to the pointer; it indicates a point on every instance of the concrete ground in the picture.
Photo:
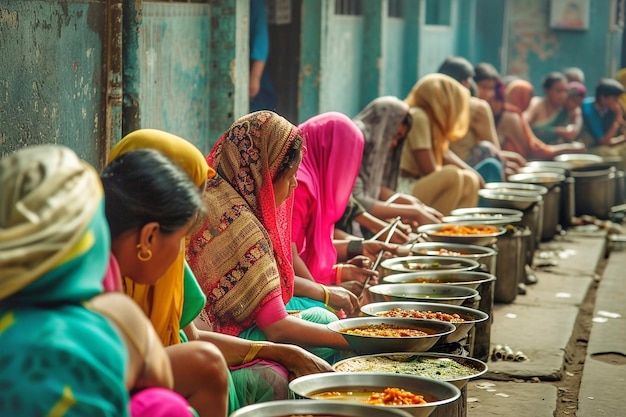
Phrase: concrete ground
(543, 325)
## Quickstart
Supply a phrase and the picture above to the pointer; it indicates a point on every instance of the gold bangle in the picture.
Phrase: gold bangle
(255, 347)
(326, 295)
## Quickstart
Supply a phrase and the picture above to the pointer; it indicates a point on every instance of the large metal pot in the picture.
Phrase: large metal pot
(511, 264)
(525, 197)
(567, 209)
(594, 190)
(552, 199)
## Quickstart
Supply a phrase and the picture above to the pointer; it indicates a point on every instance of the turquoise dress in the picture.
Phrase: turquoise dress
(58, 358)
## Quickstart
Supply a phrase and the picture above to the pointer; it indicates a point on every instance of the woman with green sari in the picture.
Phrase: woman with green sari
(547, 115)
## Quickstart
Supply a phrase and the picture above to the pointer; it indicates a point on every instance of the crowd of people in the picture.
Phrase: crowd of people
(174, 283)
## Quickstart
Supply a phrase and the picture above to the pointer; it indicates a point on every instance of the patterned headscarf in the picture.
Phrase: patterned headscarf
(247, 158)
(163, 301)
(54, 249)
(378, 121)
(328, 172)
(446, 102)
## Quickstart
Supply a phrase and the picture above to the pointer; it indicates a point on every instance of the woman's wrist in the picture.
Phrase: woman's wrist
(355, 248)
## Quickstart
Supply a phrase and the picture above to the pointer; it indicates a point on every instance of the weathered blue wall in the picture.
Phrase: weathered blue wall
(52, 75)
(394, 58)
(174, 60)
(534, 49)
(437, 42)
(340, 83)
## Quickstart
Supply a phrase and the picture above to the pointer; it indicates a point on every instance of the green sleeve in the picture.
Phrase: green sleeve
(194, 298)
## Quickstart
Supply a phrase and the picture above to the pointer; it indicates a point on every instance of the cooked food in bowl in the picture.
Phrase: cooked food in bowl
(465, 230)
(387, 330)
(417, 314)
(430, 365)
(390, 396)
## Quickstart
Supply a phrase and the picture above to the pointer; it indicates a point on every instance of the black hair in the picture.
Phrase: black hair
(457, 67)
(552, 78)
(144, 186)
(291, 157)
(608, 87)
(485, 71)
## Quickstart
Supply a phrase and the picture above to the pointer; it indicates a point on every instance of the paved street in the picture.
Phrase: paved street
(541, 325)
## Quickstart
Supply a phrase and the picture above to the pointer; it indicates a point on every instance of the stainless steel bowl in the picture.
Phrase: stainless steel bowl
(518, 201)
(478, 211)
(469, 315)
(579, 159)
(435, 392)
(366, 363)
(430, 231)
(470, 279)
(407, 264)
(425, 293)
(545, 179)
(484, 255)
(520, 188)
(488, 219)
(314, 408)
(379, 344)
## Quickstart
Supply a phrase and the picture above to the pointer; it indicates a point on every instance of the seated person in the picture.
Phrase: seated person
(546, 114)
(326, 178)
(516, 135)
(242, 254)
(519, 93)
(384, 123)
(429, 170)
(480, 147)
(603, 120)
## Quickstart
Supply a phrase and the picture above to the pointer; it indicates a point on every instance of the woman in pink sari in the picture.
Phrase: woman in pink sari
(326, 178)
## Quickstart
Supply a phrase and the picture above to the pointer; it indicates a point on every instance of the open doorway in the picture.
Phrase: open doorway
(283, 63)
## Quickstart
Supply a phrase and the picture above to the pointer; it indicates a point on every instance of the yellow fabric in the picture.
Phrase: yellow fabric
(446, 102)
(163, 302)
(621, 77)
(43, 212)
(418, 137)
(178, 150)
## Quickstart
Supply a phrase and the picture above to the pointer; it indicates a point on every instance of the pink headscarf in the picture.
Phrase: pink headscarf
(325, 180)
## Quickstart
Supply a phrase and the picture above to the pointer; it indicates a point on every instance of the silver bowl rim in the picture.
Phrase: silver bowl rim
(487, 277)
(501, 195)
(513, 187)
(484, 366)
(480, 315)
(307, 406)
(429, 228)
(411, 322)
(338, 375)
(481, 250)
(470, 293)
(486, 210)
(469, 263)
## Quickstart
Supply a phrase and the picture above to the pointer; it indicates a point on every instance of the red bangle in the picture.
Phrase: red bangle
(338, 269)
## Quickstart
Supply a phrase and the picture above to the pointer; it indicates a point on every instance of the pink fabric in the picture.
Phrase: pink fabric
(271, 312)
(325, 180)
(158, 402)
(112, 281)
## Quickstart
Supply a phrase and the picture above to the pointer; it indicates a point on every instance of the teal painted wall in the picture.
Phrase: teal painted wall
(52, 76)
(437, 42)
(534, 49)
(174, 60)
(489, 32)
(340, 81)
(394, 58)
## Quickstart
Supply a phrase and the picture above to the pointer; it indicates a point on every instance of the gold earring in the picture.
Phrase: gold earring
(143, 257)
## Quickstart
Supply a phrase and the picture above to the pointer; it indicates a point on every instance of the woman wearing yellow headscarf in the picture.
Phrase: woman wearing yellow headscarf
(175, 300)
(429, 170)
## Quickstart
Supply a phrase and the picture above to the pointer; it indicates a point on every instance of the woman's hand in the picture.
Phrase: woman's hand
(371, 248)
(341, 298)
(300, 362)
